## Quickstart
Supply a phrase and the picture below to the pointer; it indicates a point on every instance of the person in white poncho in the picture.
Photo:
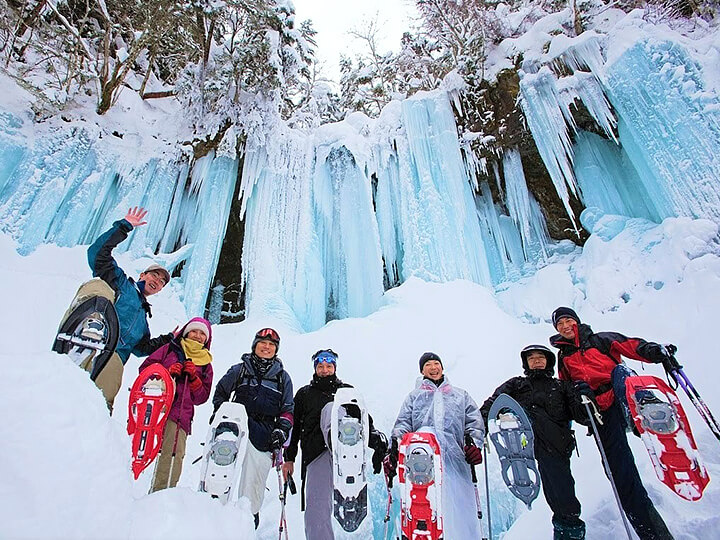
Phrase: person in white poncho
(452, 415)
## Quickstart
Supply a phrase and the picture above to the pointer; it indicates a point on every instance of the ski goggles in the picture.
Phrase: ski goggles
(328, 356)
(268, 333)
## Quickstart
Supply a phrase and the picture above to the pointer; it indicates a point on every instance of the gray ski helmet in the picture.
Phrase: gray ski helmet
(549, 355)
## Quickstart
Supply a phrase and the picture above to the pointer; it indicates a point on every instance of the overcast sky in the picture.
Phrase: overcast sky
(333, 19)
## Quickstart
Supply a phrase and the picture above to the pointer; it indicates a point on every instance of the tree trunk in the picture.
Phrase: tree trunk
(147, 73)
(109, 86)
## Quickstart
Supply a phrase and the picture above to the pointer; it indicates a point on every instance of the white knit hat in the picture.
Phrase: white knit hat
(196, 325)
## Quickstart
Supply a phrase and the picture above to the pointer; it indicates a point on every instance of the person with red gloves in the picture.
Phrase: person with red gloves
(551, 405)
(187, 358)
(595, 361)
(453, 417)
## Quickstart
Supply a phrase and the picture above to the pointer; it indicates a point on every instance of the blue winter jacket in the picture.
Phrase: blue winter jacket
(268, 400)
(131, 305)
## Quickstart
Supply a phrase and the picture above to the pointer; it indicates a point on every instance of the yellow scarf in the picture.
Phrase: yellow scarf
(196, 352)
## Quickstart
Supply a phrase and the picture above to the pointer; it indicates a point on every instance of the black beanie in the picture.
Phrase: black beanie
(426, 357)
(561, 312)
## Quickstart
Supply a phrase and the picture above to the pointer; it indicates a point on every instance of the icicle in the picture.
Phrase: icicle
(548, 116)
(440, 232)
(282, 256)
(205, 221)
(586, 87)
(529, 222)
(578, 53)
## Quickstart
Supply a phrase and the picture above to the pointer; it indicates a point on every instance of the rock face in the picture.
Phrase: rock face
(494, 110)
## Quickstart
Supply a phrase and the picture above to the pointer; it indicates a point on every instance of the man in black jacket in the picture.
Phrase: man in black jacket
(550, 404)
(310, 401)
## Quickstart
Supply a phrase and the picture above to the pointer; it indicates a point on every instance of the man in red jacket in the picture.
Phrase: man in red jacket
(595, 360)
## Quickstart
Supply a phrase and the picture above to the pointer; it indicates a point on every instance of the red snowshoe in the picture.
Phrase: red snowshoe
(665, 430)
(420, 476)
(150, 400)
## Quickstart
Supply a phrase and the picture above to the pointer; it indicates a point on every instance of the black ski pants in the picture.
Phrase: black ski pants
(638, 507)
(559, 488)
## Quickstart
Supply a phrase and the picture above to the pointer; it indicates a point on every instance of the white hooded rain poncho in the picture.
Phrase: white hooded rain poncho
(449, 412)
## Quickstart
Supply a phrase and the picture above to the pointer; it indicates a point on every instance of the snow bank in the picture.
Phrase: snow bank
(67, 466)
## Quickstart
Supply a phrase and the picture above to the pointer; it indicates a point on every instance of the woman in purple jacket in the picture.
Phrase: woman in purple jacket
(187, 357)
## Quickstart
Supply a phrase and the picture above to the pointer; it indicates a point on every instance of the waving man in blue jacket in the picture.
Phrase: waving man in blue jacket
(130, 299)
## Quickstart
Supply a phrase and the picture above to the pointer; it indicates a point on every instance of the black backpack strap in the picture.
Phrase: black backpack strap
(238, 381)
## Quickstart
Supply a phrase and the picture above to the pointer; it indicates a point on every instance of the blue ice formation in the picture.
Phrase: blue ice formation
(661, 157)
(63, 190)
(332, 217)
(669, 125)
(335, 215)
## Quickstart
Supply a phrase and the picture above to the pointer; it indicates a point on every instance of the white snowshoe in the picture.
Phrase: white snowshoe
(349, 436)
(225, 446)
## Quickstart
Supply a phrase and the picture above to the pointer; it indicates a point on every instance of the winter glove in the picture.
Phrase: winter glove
(391, 460)
(195, 384)
(582, 388)
(473, 455)
(277, 438)
(378, 442)
(175, 369)
(668, 359)
(190, 369)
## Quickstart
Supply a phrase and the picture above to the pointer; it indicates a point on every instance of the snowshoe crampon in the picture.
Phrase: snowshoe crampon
(349, 436)
(151, 397)
(512, 435)
(89, 333)
(420, 477)
(224, 452)
(665, 431)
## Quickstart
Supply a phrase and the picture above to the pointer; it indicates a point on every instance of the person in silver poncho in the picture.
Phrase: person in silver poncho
(450, 413)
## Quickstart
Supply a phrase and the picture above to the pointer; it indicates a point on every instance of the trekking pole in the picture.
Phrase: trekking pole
(278, 461)
(477, 492)
(478, 504)
(487, 488)
(592, 415)
(388, 485)
(675, 370)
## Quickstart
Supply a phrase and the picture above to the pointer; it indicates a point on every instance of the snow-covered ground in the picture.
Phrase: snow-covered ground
(65, 464)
